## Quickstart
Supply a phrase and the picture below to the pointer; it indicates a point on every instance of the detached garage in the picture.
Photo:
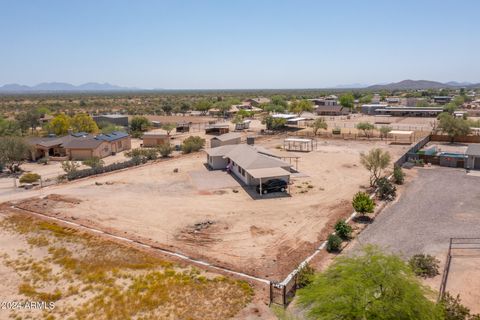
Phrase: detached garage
(226, 139)
(473, 154)
(83, 149)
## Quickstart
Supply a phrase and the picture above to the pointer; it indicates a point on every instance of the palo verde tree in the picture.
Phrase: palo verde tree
(82, 122)
(318, 124)
(59, 125)
(139, 124)
(300, 106)
(366, 127)
(375, 161)
(168, 127)
(372, 285)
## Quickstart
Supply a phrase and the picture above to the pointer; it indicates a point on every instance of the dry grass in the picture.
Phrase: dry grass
(92, 278)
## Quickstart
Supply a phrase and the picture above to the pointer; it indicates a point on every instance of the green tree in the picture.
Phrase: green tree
(300, 106)
(28, 120)
(366, 127)
(13, 152)
(168, 127)
(362, 203)
(274, 123)
(9, 128)
(203, 105)
(373, 285)
(384, 131)
(453, 126)
(375, 161)
(366, 98)
(398, 175)
(347, 101)
(59, 125)
(318, 124)
(82, 122)
(139, 124)
(184, 107)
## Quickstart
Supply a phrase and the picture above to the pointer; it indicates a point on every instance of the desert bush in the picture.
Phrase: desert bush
(94, 162)
(69, 166)
(386, 190)
(343, 229)
(334, 243)
(398, 175)
(192, 144)
(165, 150)
(362, 203)
(453, 309)
(29, 177)
(43, 160)
(143, 153)
(304, 276)
(77, 174)
(425, 266)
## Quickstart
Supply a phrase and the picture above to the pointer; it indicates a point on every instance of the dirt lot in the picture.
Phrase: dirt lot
(220, 222)
(439, 203)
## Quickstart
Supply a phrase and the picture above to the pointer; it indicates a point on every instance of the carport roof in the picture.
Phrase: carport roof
(473, 150)
(268, 172)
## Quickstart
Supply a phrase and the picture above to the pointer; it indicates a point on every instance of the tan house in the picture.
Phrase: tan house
(86, 148)
(154, 139)
(225, 139)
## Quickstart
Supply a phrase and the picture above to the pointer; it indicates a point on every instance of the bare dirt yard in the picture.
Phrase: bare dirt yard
(437, 204)
(208, 215)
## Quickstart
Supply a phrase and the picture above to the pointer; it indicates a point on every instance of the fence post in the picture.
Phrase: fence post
(284, 295)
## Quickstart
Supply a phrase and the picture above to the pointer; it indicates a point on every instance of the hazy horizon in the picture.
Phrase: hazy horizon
(190, 45)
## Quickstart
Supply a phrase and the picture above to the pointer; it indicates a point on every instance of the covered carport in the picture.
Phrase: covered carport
(263, 175)
(299, 144)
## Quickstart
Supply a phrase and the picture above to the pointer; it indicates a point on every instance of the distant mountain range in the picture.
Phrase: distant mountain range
(422, 84)
(62, 87)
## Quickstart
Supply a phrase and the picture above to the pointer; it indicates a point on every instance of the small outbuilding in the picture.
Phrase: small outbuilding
(183, 127)
(400, 136)
(217, 129)
(473, 156)
(154, 139)
(225, 139)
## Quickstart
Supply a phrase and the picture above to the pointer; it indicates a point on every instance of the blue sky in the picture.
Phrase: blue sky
(238, 44)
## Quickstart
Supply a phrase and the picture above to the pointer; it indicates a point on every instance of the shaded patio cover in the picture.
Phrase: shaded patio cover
(267, 172)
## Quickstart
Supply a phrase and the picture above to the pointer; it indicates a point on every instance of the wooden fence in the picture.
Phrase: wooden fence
(461, 139)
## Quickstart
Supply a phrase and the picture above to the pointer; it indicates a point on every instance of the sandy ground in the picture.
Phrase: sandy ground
(266, 237)
(464, 279)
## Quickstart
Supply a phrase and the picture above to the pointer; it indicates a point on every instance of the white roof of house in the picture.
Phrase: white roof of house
(297, 140)
(296, 119)
(228, 136)
(247, 157)
(268, 172)
(284, 116)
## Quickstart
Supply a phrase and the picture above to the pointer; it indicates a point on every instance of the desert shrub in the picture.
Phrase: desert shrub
(43, 160)
(192, 144)
(424, 266)
(29, 177)
(304, 276)
(334, 243)
(274, 123)
(453, 309)
(77, 174)
(69, 167)
(142, 154)
(165, 150)
(343, 229)
(398, 175)
(94, 162)
(386, 190)
(362, 203)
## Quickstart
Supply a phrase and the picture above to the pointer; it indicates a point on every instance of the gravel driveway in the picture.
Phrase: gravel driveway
(439, 204)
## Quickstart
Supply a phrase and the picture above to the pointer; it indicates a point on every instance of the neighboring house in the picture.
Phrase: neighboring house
(44, 119)
(255, 102)
(154, 139)
(248, 164)
(116, 119)
(473, 154)
(331, 100)
(118, 140)
(402, 111)
(225, 139)
(79, 146)
(86, 148)
(334, 110)
(393, 100)
(371, 108)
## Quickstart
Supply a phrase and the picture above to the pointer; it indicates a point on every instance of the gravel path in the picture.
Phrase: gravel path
(440, 203)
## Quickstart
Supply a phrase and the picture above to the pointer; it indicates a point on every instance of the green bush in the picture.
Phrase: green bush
(386, 190)
(343, 229)
(43, 160)
(304, 276)
(192, 144)
(29, 177)
(362, 203)
(165, 149)
(398, 175)
(334, 243)
(274, 123)
(94, 162)
(424, 266)
(453, 309)
(142, 154)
